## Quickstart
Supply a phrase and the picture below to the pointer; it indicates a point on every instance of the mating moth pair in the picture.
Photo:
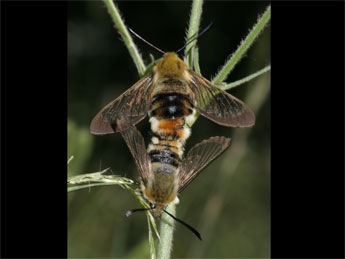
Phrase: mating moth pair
(171, 95)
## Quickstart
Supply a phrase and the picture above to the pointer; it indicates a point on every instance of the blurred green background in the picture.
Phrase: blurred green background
(229, 203)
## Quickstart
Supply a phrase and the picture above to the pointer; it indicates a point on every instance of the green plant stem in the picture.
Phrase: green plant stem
(76, 188)
(127, 39)
(166, 233)
(151, 240)
(194, 24)
(196, 61)
(244, 46)
(246, 79)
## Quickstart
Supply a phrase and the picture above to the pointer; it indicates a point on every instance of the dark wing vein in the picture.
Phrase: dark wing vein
(199, 157)
(136, 145)
(131, 105)
(218, 105)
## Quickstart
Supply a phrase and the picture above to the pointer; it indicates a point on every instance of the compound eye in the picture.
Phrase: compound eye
(152, 206)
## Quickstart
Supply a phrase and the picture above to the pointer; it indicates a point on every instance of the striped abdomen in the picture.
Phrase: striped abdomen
(169, 112)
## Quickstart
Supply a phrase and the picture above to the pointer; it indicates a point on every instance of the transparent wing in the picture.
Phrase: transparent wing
(131, 105)
(218, 105)
(199, 157)
(136, 145)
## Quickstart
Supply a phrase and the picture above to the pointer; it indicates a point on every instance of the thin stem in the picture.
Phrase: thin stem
(76, 188)
(127, 39)
(151, 240)
(196, 61)
(244, 46)
(166, 233)
(83, 181)
(246, 79)
(194, 24)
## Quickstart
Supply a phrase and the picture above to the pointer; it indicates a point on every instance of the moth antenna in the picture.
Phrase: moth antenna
(131, 212)
(185, 224)
(196, 37)
(148, 43)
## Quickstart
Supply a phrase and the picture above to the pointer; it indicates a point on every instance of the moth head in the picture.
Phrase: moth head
(171, 65)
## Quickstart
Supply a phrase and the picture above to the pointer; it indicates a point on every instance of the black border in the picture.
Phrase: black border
(34, 129)
(307, 130)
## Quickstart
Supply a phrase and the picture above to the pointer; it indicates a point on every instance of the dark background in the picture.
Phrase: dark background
(230, 202)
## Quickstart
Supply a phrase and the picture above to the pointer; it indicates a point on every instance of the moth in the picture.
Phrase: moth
(164, 177)
(172, 91)
(171, 95)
